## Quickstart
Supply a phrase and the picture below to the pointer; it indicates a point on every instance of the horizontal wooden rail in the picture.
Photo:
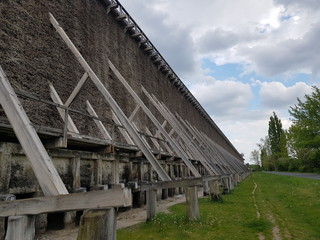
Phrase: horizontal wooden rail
(172, 184)
(181, 182)
(117, 197)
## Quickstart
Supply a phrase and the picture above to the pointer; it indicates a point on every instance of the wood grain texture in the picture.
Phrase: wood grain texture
(118, 197)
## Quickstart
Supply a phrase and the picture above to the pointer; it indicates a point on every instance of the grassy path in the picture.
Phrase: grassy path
(264, 206)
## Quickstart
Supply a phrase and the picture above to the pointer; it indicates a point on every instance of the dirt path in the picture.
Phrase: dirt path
(275, 228)
(124, 219)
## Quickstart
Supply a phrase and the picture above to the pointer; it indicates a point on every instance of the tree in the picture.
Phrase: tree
(278, 160)
(277, 137)
(304, 134)
(265, 154)
(306, 120)
(254, 157)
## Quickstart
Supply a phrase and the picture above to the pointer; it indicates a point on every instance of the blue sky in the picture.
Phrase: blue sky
(241, 59)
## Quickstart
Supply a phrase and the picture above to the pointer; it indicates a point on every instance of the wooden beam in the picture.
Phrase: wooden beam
(113, 104)
(154, 141)
(197, 155)
(99, 124)
(175, 146)
(193, 211)
(172, 184)
(118, 197)
(20, 228)
(123, 131)
(76, 90)
(98, 224)
(133, 114)
(47, 175)
(206, 160)
(56, 99)
(209, 151)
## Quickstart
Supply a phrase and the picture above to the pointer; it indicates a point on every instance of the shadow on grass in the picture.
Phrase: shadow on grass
(259, 225)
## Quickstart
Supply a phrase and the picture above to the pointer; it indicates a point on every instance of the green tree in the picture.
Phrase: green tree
(265, 154)
(304, 134)
(278, 143)
(254, 157)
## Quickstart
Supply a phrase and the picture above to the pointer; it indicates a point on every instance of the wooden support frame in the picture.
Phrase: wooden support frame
(47, 175)
(172, 143)
(194, 148)
(173, 184)
(122, 130)
(210, 147)
(191, 195)
(56, 99)
(197, 154)
(113, 104)
(77, 89)
(154, 141)
(99, 124)
(118, 197)
(207, 154)
(209, 150)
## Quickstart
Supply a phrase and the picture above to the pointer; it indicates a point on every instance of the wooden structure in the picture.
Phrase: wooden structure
(165, 151)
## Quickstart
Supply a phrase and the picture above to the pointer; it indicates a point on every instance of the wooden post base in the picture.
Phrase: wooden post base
(151, 203)
(193, 212)
(215, 191)
(98, 224)
(20, 228)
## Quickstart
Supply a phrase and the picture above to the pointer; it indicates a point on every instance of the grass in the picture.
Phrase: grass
(292, 204)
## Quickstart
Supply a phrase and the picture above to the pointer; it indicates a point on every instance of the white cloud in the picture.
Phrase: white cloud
(275, 95)
(245, 136)
(267, 37)
(173, 41)
(223, 98)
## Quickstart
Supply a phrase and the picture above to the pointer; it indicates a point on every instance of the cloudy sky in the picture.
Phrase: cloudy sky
(241, 59)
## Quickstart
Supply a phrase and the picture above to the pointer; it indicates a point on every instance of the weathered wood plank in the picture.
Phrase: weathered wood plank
(113, 104)
(56, 99)
(118, 197)
(133, 114)
(98, 224)
(172, 184)
(20, 228)
(193, 212)
(123, 131)
(192, 148)
(47, 175)
(172, 143)
(99, 124)
(76, 90)
(154, 141)
(151, 202)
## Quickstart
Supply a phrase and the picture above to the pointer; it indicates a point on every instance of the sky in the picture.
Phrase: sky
(241, 59)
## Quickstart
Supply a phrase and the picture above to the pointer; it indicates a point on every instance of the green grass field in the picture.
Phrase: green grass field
(281, 207)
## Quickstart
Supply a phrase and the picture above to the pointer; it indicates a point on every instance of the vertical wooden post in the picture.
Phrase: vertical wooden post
(5, 197)
(231, 182)
(205, 188)
(151, 203)
(98, 171)
(226, 186)
(115, 171)
(215, 190)
(20, 228)
(75, 169)
(5, 167)
(98, 224)
(193, 212)
(69, 217)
